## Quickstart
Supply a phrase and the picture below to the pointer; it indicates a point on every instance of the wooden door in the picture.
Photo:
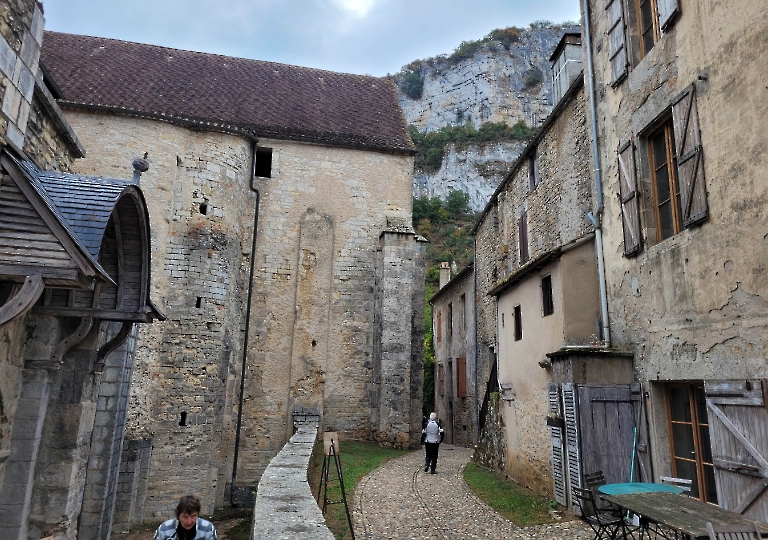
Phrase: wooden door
(738, 421)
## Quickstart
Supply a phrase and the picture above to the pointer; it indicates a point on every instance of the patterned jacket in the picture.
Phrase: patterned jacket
(167, 531)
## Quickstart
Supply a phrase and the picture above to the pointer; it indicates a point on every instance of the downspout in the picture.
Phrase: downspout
(474, 304)
(232, 500)
(596, 218)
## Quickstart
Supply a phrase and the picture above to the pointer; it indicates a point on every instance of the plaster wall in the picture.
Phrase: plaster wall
(693, 306)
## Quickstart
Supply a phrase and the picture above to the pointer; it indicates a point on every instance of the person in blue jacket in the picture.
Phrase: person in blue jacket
(188, 524)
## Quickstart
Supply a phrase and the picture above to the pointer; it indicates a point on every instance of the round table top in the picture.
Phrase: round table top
(637, 487)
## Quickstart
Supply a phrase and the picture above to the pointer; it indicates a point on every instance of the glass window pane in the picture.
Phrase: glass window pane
(687, 469)
(706, 447)
(679, 404)
(659, 149)
(662, 184)
(683, 434)
(665, 219)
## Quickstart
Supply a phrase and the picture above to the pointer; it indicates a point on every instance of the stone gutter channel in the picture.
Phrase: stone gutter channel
(285, 507)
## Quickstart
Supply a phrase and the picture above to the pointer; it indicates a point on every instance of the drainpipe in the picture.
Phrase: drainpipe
(232, 500)
(597, 216)
(474, 304)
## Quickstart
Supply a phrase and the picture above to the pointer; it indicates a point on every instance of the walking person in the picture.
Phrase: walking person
(188, 524)
(433, 437)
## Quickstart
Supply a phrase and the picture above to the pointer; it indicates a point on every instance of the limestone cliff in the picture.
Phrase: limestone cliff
(499, 81)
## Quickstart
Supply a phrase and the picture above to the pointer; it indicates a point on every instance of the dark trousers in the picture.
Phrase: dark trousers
(431, 450)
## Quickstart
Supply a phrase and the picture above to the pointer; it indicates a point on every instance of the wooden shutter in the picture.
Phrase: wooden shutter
(690, 158)
(572, 442)
(643, 450)
(461, 377)
(617, 49)
(738, 418)
(668, 10)
(439, 328)
(628, 198)
(522, 237)
(556, 439)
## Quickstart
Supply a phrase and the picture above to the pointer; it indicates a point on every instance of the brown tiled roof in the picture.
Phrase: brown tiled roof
(262, 99)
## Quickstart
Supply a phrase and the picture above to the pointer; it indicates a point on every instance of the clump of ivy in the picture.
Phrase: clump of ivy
(430, 146)
(412, 85)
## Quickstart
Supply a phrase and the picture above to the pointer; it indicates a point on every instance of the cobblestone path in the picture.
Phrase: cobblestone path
(400, 501)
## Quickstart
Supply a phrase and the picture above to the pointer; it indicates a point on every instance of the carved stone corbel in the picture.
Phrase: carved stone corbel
(23, 300)
(112, 345)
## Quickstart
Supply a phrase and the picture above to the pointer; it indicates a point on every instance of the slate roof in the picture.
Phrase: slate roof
(223, 93)
(82, 204)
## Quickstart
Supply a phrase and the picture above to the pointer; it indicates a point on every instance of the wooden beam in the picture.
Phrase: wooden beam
(111, 345)
(71, 340)
(750, 497)
(24, 300)
(738, 434)
(103, 314)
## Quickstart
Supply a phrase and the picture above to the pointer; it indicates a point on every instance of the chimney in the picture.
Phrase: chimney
(566, 64)
(140, 165)
(445, 274)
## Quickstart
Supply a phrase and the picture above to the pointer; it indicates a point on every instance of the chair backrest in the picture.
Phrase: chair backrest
(585, 499)
(742, 531)
(682, 483)
(594, 479)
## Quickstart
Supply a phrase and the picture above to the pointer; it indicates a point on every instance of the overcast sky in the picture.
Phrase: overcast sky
(373, 37)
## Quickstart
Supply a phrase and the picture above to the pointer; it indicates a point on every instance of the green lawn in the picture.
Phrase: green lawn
(357, 460)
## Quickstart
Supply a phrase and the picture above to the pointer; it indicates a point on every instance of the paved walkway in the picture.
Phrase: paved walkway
(400, 501)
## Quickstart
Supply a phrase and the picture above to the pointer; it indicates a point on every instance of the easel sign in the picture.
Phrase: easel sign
(331, 437)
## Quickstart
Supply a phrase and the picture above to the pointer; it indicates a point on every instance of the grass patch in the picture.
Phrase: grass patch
(519, 505)
(357, 460)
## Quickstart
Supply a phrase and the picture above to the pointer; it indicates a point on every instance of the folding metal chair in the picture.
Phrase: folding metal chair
(604, 524)
(733, 532)
(593, 481)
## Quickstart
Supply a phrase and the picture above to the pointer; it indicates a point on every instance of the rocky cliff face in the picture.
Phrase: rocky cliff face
(497, 84)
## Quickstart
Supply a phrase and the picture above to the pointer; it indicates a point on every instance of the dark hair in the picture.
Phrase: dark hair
(189, 504)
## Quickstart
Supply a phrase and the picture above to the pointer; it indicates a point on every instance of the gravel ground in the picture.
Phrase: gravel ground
(400, 501)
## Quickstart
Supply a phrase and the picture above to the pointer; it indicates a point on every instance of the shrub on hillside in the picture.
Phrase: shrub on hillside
(412, 85)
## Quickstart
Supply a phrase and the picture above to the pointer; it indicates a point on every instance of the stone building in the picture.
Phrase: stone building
(453, 324)
(283, 250)
(681, 105)
(74, 283)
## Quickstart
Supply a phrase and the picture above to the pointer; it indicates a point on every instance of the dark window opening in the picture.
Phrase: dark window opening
(183, 420)
(199, 301)
(314, 343)
(263, 165)
(450, 320)
(502, 320)
(648, 25)
(441, 379)
(533, 170)
(204, 209)
(518, 323)
(546, 295)
(666, 194)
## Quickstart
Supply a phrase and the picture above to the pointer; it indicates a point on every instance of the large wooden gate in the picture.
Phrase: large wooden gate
(738, 430)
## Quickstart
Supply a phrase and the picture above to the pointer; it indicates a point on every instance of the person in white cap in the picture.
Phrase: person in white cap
(434, 436)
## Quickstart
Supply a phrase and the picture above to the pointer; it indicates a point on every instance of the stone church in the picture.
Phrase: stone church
(280, 272)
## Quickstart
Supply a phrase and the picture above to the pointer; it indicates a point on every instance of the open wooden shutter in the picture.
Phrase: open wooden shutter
(617, 49)
(642, 446)
(738, 431)
(572, 440)
(628, 197)
(461, 377)
(556, 439)
(690, 158)
(668, 10)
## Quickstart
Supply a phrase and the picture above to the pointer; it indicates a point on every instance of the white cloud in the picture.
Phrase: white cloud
(356, 7)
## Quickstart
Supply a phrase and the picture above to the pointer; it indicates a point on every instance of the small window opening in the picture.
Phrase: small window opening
(533, 170)
(314, 343)
(263, 165)
(502, 320)
(518, 323)
(546, 296)
(204, 209)
(199, 301)
(183, 420)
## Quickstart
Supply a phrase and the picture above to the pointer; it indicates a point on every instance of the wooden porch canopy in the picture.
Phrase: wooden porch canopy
(79, 244)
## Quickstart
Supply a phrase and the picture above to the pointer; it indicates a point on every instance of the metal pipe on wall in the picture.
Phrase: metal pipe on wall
(597, 216)
(233, 482)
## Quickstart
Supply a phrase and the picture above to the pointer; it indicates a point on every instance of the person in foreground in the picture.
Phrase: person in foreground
(434, 436)
(187, 525)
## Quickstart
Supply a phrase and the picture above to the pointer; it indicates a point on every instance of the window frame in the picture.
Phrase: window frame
(547, 296)
(518, 311)
(666, 131)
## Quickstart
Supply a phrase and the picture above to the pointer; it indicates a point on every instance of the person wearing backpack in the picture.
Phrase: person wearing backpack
(433, 435)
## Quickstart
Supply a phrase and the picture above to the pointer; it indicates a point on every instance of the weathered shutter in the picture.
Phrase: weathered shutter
(738, 432)
(461, 377)
(572, 443)
(690, 158)
(642, 446)
(628, 197)
(556, 439)
(522, 233)
(668, 10)
(617, 49)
